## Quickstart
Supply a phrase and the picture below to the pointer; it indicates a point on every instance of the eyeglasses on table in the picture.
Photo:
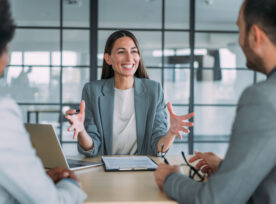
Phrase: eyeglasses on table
(192, 171)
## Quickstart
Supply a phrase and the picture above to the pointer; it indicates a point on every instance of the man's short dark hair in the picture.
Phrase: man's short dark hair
(263, 14)
(7, 26)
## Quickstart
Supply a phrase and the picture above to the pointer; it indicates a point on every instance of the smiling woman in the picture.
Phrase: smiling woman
(124, 57)
(125, 111)
(120, 46)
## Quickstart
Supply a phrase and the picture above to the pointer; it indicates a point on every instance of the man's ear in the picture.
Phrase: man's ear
(107, 58)
(257, 38)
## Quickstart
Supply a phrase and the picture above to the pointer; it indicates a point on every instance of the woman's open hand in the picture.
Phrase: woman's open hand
(178, 122)
(76, 119)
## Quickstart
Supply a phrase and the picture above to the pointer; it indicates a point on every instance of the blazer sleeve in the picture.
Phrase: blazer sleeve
(249, 160)
(89, 122)
(21, 172)
(160, 125)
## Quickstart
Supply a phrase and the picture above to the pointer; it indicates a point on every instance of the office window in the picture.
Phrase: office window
(155, 74)
(75, 48)
(213, 121)
(225, 89)
(76, 13)
(32, 84)
(35, 42)
(177, 49)
(73, 81)
(49, 60)
(177, 15)
(45, 114)
(36, 12)
(177, 85)
(177, 148)
(130, 14)
(31, 78)
(53, 53)
(217, 15)
(216, 147)
(218, 49)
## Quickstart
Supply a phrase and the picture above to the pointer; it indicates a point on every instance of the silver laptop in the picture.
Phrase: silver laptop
(48, 148)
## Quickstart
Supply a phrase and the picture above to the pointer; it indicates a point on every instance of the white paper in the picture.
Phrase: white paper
(128, 163)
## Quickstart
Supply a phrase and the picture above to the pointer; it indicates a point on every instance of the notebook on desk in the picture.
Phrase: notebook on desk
(49, 150)
(128, 163)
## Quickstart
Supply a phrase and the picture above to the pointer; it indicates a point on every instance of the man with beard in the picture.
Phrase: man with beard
(22, 176)
(248, 172)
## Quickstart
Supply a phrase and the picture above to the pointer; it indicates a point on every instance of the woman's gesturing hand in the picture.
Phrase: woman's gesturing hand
(76, 119)
(178, 122)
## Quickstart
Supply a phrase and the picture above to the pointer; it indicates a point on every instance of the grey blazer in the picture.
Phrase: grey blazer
(150, 113)
(248, 172)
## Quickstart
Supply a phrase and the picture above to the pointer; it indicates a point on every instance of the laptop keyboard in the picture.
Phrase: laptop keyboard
(76, 163)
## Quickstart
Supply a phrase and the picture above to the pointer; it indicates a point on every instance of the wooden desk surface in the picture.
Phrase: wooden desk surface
(122, 187)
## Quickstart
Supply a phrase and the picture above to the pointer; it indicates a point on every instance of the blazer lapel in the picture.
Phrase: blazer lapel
(141, 109)
(106, 102)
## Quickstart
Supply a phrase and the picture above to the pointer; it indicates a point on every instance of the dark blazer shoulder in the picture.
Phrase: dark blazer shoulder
(261, 92)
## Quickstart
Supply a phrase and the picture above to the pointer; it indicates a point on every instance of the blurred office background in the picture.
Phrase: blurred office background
(189, 46)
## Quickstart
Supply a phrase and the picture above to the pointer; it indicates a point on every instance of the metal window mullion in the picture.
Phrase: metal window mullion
(255, 77)
(163, 43)
(61, 72)
(93, 39)
(192, 58)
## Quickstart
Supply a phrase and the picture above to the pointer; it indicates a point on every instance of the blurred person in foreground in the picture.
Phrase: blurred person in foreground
(22, 176)
(248, 173)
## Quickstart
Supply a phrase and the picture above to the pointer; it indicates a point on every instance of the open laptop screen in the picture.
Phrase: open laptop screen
(49, 150)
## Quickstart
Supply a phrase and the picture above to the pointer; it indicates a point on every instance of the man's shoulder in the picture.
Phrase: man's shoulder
(261, 92)
(12, 120)
(6, 98)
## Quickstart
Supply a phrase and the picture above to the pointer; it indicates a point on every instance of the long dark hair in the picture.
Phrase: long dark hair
(108, 72)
